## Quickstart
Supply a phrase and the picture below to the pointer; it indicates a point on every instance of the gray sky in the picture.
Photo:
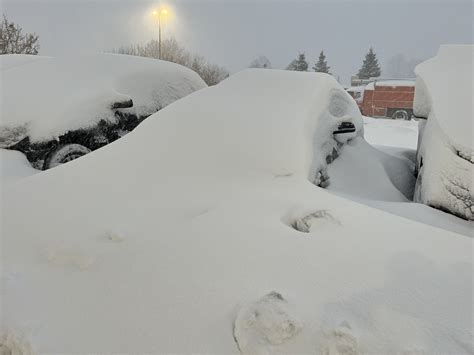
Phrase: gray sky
(232, 33)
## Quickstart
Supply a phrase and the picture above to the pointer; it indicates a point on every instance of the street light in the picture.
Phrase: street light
(162, 12)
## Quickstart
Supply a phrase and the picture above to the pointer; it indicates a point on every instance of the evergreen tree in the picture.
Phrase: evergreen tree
(322, 65)
(299, 64)
(370, 66)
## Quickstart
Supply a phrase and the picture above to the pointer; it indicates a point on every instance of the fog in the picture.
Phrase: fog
(233, 33)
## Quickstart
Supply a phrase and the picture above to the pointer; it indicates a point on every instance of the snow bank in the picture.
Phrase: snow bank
(204, 195)
(14, 166)
(444, 95)
(374, 175)
(444, 90)
(382, 176)
(8, 61)
(54, 95)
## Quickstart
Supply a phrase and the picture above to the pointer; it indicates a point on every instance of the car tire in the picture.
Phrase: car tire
(63, 154)
(401, 115)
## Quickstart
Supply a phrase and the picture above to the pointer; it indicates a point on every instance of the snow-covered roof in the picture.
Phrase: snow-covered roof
(183, 228)
(53, 95)
(356, 88)
(444, 91)
(391, 83)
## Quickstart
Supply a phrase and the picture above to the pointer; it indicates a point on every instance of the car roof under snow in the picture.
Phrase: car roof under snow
(51, 96)
(444, 92)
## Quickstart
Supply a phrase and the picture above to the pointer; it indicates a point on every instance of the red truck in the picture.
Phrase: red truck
(386, 98)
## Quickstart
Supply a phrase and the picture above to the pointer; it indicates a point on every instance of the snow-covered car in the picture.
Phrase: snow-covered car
(57, 109)
(444, 100)
(198, 244)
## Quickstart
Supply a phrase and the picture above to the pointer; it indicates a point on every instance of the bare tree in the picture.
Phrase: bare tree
(261, 62)
(172, 51)
(13, 41)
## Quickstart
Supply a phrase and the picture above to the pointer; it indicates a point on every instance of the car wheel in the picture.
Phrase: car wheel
(401, 115)
(63, 154)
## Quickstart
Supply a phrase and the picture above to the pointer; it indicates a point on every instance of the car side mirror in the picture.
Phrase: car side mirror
(122, 104)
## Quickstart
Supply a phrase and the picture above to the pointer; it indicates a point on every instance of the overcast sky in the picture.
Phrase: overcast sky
(232, 33)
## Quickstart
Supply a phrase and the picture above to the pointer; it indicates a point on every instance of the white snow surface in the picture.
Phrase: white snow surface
(382, 174)
(48, 97)
(444, 95)
(391, 133)
(444, 92)
(200, 200)
(14, 166)
(8, 61)
(392, 83)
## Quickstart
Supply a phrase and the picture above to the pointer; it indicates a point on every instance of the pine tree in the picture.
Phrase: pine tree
(370, 66)
(322, 65)
(299, 64)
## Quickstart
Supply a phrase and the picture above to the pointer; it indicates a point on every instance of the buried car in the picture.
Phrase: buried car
(205, 224)
(58, 109)
(443, 101)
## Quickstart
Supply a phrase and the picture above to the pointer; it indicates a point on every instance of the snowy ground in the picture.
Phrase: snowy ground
(201, 232)
(382, 174)
(14, 166)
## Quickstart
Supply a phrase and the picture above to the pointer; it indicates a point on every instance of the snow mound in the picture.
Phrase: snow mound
(53, 95)
(8, 61)
(265, 323)
(374, 174)
(444, 93)
(14, 166)
(445, 158)
(201, 189)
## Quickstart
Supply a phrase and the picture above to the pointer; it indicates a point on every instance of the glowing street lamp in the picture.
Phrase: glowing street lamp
(159, 14)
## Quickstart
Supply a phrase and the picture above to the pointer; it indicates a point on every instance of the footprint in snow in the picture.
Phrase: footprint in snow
(340, 341)
(316, 220)
(114, 236)
(74, 257)
(265, 323)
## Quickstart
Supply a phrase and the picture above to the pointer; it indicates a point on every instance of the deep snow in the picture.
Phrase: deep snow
(14, 166)
(444, 96)
(48, 97)
(382, 174)
(8, 61)
(179, 238)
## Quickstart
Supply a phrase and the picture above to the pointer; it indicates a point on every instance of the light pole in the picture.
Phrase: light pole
(162, 12)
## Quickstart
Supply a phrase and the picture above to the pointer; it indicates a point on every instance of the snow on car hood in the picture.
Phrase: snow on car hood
(51, 96)
(8, 61)
(444, 90)
(183, 231)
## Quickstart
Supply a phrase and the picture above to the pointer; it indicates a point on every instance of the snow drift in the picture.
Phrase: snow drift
(178, 238)
(444, 96)
(46, 97)
(14, 166)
